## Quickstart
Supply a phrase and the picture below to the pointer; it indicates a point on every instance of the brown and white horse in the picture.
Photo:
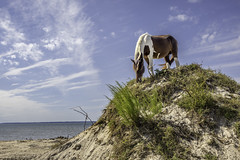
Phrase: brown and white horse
(154, 47)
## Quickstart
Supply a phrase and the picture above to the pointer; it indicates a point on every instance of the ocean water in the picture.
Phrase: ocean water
(42, 130)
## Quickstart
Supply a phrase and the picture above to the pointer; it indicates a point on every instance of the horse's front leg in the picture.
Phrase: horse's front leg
(150, 66)
(168, 63)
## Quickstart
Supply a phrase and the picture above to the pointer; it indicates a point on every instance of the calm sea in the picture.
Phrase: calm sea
(43, 130)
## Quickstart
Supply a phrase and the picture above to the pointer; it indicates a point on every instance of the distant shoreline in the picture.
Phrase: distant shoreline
(41, 130)
(46, 122)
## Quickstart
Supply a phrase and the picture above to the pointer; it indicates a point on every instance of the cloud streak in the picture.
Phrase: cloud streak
(56, 82)
(45, 64)
(180, 18)
(194, 1)
(219, 46)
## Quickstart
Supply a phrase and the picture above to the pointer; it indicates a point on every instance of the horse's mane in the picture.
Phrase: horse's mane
(140, 45)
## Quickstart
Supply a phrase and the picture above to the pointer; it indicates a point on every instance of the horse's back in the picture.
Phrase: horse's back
(164, 43)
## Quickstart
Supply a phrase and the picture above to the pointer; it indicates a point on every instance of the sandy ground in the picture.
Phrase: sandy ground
(27, 149)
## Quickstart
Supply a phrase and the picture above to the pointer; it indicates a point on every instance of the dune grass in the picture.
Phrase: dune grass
(134, 109)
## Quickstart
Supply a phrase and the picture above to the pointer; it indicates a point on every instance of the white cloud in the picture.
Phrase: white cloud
(194, 1)
(46, 29)
(10, 33)
(208, 37)
(113, 34)
(4, 43)
(173, 8)
(21, 50)
(51, 44)
(180, 18)
(27, 51)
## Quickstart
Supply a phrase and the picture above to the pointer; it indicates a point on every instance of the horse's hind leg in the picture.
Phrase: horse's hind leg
(176, 61)
(175, 54)
(168, 62)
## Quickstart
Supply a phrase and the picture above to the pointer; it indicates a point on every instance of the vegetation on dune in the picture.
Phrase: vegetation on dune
(133, 113)
(134, 109)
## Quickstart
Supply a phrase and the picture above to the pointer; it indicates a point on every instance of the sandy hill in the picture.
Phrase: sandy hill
(183, 113)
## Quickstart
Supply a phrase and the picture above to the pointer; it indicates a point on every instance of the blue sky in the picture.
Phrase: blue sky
(59, 54)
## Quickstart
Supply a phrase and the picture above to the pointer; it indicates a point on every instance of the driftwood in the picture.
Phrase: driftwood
(81, 111)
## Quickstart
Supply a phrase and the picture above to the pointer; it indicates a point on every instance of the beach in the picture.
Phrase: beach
(28, 149)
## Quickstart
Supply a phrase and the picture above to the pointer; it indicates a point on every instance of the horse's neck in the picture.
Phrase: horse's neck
(142, 41)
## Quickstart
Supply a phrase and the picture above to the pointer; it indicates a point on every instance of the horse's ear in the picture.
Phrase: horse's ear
(133, 61)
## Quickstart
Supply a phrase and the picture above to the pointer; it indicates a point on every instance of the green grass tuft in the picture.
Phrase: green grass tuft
(198, 98)
(210, 156)
(132, 108)
(237, 129)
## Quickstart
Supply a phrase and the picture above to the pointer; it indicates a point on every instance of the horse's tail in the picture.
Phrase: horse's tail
(174, 46)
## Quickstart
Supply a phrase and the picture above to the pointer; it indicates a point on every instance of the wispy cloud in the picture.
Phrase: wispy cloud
(58, 82)
(173, 8)
(193, 1)
(226, 65)
(228, 45)
(225, 54)
(138, 32)
(178, 15)
(180, 18)
(208, 37)
(9, 31)
(91, 84)
(113, 34)
(46, 64)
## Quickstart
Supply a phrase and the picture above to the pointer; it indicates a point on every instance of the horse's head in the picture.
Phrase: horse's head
(138, 67)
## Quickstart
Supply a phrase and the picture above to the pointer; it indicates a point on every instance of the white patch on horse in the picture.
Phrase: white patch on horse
(176, 61)
(145, 40)
(168, 65)
(138, 47)
(158, 55)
